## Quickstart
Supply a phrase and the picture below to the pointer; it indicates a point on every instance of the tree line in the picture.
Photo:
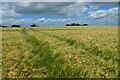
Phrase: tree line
(32, 25)
(35, 25)
(74, 24)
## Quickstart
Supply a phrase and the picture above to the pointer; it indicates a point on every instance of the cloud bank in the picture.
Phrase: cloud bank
(58, 13)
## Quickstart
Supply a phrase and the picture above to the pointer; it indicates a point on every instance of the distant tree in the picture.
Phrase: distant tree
(78, 25)
(33, 25)
(67, 24)
(15, 26)
(73, 24)
(85, 24)
(3, 26)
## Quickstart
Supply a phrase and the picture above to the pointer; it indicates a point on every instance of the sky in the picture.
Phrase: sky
(59, 13)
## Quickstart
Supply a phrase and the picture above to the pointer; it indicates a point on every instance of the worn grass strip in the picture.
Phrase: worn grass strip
(77, 71)
(93, 50)
(92, 60)
(49, 65)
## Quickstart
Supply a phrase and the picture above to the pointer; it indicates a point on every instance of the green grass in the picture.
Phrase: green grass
(60, 52)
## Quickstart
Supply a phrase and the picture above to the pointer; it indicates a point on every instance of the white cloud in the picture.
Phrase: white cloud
(98, 14)
(48, 8)
(113, 10)
(76, 9)
(9, 13)
(40, 19)
(12, 21)
(103, 13)
(61, 0)
(8, 10)
(59, 13)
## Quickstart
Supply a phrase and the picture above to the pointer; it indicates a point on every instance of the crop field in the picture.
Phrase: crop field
(60, 52)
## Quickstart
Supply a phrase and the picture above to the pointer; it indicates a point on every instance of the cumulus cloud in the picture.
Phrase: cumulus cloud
(50, 21)
(52, 8)
(9, 13)
(14, 9)
(48, 8)
(104, 17)
(98, 14)
(52, 13)
(103, 13)
(113, 11)
(12, 21)
(40, 21)
(62, 0)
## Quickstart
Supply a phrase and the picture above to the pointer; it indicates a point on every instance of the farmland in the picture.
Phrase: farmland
(60, 52)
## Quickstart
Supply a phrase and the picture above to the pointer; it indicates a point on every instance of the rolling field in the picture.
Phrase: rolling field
(60, 52)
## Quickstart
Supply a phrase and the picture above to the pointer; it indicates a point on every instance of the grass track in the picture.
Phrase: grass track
(92, 50)
(75, 54)
(50, 65)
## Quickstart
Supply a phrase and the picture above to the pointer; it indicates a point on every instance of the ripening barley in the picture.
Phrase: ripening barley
(60, 52)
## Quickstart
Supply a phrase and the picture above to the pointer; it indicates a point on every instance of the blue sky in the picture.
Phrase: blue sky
(59, 13)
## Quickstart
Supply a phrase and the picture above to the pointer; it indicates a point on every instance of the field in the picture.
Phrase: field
(60, 52)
